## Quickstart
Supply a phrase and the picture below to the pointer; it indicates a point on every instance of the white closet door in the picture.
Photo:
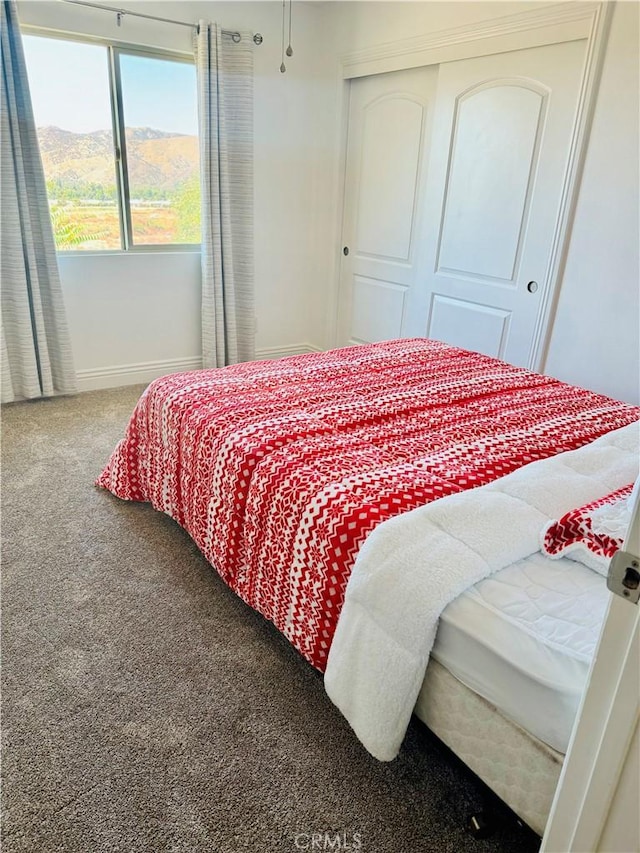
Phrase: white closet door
(389, 128)
(502, 131)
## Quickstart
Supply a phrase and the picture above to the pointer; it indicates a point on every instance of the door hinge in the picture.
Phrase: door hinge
(624, 576)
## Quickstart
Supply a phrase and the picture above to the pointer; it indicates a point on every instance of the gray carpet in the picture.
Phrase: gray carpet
(146, 708)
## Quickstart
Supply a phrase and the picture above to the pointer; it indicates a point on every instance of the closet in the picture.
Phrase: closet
(454, 181)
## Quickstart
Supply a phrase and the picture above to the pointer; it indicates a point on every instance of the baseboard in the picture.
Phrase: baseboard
(94, 379)
(283, 352)
(133, 374)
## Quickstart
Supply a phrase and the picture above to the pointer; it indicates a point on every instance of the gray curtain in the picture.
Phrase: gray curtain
(36, 349)
(225, 114)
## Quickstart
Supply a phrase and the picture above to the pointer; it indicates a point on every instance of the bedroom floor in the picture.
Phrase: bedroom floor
(146, 708)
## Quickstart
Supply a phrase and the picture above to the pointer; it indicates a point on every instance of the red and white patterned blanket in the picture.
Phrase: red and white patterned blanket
(591, 534)
(280, 469)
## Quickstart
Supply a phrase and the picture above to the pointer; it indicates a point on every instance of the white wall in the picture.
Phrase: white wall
(132, 316)
(596, 334)
(360, 25)
(136, 316)
(621, 832)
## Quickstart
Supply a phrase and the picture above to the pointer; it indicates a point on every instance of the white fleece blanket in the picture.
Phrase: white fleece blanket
(413, 565)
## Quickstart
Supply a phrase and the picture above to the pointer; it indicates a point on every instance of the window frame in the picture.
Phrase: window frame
(114, 50)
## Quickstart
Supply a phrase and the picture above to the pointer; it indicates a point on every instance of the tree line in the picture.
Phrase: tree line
(69, 232)
(63, 191)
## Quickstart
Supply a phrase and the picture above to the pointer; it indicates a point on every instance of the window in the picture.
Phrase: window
(119, 142)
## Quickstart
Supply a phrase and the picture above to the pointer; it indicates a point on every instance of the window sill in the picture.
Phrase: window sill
(139, 251)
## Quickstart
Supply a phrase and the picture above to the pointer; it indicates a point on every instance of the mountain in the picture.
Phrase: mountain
(156, 159)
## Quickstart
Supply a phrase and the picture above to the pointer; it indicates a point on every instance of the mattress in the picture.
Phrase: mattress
(523, 639)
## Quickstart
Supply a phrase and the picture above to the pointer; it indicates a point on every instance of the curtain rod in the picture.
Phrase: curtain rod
(122, 12)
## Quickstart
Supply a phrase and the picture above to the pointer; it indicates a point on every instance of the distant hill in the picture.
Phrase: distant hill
(156, 159)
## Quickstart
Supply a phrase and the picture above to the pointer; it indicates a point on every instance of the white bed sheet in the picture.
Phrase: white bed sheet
(524, 638)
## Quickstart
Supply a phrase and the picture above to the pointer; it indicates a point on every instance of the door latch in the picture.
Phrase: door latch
(624, 576)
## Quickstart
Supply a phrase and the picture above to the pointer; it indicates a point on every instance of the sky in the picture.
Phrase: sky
(69, 83)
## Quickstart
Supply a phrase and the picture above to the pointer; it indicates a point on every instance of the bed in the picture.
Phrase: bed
(288, 473)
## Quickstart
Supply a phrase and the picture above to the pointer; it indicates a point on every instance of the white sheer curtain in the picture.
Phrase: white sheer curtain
(225, 110)
(36, 349)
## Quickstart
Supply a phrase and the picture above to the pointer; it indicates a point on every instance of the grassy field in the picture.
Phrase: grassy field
(95, 227)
